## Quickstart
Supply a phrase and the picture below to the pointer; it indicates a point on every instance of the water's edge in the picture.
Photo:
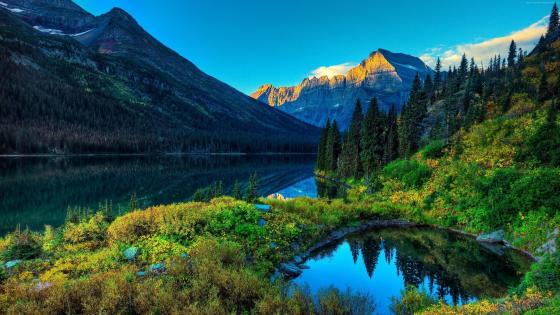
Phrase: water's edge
(288, 268)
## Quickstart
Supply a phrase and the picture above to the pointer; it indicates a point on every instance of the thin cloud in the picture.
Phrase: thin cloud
(485, 50)
(331, 71)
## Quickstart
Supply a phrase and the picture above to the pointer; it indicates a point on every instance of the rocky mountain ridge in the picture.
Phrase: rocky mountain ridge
(385, 75)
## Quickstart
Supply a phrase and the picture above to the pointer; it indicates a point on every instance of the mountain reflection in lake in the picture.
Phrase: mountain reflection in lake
(382, 262)
(35, 191)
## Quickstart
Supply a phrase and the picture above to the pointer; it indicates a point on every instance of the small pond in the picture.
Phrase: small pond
(381, 262)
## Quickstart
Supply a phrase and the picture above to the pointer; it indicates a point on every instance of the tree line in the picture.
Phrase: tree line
(458, 98)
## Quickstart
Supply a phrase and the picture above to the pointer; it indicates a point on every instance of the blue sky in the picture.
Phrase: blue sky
(246, 43)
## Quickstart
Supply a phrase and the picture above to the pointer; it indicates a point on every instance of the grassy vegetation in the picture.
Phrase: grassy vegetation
(218, 257)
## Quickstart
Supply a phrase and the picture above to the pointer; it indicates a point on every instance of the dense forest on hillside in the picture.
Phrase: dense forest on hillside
(58, 96)
(474, 148)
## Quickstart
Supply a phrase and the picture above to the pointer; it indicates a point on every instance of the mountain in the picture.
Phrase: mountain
(385, 75)
(74, 82)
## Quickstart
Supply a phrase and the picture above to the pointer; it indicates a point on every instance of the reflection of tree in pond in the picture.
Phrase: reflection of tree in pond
(38, 191)
(371, 247)
(449, 264)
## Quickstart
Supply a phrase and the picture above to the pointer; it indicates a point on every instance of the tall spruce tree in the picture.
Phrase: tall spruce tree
(541, 45)
(410, 123)
(391, 137)
(372, 138)
(251, 194)
(553, 23)
(236, 191)
(350, 158)
(512, 54)
(321, 151)
(437, 77)
(463, 69)
(333, 148)
(429, 88)
(520, 57)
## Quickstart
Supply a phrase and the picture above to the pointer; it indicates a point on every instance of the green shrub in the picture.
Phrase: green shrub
(544, 275)
(22, 245)
(334, 301)
(494, 206)
(411, 301)
(433, 150)
(411, 172)
(536, 190)
(543, 146)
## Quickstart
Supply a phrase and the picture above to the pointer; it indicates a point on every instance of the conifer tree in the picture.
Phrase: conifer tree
(543, 87)
(321, 151)
(350, 159)
(463, 68)
(236, 190)
(541, 45)
(251, 194)
(553, 23)
(372, 138)
(429, 88)
(437, 76)
(333, 148)
(391, 136)
(512, 54)
(410, 123)
(520, 56)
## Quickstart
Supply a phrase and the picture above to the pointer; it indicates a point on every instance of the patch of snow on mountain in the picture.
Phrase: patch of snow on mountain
(48, 30)
(53, 31)
(82, 33)
(3, 4)
(16, 10)
(408, 66)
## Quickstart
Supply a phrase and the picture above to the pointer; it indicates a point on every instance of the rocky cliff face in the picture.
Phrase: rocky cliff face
(385, 75)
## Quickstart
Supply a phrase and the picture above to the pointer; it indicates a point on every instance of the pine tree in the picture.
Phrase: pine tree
(372, 138)
(429, 88)
(463, 68)
(553, 23)
(437, 77)
(321, 151)
(512, 54)
(333, 148)
(391, 137)
(133, 203)
(236, 191)
(410, 123)
(351, 164)
(251, 194)
(520, 56)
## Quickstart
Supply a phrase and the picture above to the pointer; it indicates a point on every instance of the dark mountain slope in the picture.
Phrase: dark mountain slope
(120, 90)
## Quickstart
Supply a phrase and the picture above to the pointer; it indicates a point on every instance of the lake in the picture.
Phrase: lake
(381, 262)
(35, 191)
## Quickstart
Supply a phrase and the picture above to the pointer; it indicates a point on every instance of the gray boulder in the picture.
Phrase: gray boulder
(12, 263)
(492, 237)
(131, 253)
(550, 245)
(290, 269)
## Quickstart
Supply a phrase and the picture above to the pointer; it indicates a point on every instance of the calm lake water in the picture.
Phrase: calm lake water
(446, 265)
(35, 191)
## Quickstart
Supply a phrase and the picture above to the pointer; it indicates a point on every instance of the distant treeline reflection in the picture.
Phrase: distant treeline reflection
(36, 191)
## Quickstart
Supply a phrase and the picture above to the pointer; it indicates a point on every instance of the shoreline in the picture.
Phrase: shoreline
(336, 235)
(69, 155)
